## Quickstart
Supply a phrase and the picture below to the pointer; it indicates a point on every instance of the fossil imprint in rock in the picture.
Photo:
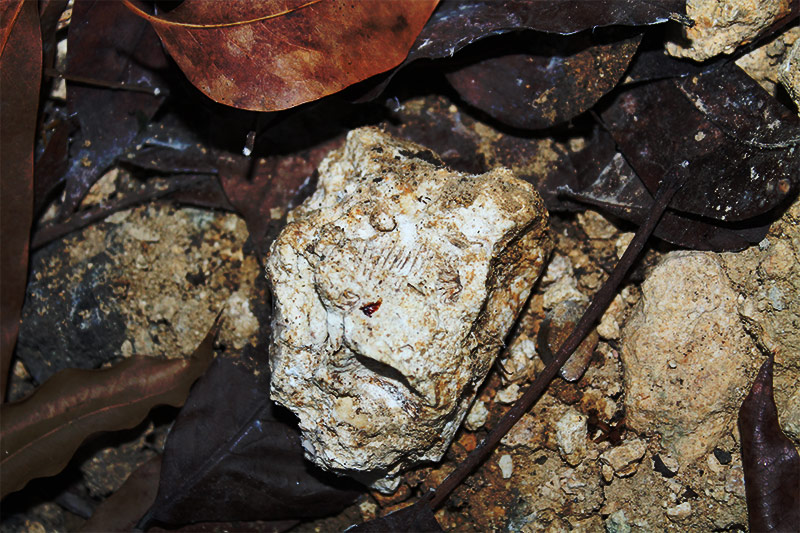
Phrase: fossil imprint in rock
(394, 285)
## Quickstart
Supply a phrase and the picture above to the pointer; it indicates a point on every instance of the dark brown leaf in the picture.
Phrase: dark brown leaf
(271, 55)
(770, 461)
(458, 23)
(122, 510)
(739, 169)
(20, 79)
(418, 518)
(234, 455)
(40, 433)
(261, 189)
(617, 190)
(108, 43)
(534, 81)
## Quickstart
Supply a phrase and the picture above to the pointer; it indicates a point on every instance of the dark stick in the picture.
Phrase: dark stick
(669, 186)
(83, 218)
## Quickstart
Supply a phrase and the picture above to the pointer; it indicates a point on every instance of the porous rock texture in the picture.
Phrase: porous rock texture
(394, 285)
(767, 278)
(720, 27)
(687, 358)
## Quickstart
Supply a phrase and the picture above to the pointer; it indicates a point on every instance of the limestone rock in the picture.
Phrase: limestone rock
(688, 360)
(720, 27)
(571, 434)
(394, 285)
(789, 72)
(767, 278)
(624, 459)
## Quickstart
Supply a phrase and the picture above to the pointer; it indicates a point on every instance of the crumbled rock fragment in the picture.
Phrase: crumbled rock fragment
(764, 63)
(624, 459)
(720, 27)
(557, 326)
(506, 464)
(687, 315)
(477, 415)
(679, 512)
(509, 394)
(394, 285)
(767, 278)
(789, 72)
(571, 432)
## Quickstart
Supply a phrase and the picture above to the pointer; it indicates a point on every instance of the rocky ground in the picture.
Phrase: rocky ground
(643, 438)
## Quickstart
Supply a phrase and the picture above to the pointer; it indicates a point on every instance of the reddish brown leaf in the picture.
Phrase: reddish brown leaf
(771, 463)
(39, 434)
(20, 79)
(271, 55)
(122, 510)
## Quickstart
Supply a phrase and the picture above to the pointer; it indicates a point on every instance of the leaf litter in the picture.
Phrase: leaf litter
(618, 177)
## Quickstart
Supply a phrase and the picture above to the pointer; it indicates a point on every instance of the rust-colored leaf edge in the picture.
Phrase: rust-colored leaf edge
(274, 76)
(154, 19)
(40, 434)
(20, 81)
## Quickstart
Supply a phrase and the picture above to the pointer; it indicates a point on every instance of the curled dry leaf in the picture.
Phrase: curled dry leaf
(771, 463)
(234, 455)
(39, 434)
(20, 79)
(458, 23)
(271, 55)
(742, 155)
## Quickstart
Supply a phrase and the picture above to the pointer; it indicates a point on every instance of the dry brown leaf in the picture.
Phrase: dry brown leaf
(266, 55)
(39, 434)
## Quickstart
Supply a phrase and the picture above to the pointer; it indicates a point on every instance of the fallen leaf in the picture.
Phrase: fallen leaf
(417, 517)
(458, 23)
(771, 463)
(618, 191)
(40, 433)
(272, 55)
(740, 168)
(108, 44)
(20, 79)
(262, 189)
(235, 455)
(535, 80)
(122, 510)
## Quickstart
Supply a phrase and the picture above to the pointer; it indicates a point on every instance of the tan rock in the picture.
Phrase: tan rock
(687, 316)
(571, 434)
(624, 459)
(394, 286)
(789, 72)
(767, 278)
(720, 27)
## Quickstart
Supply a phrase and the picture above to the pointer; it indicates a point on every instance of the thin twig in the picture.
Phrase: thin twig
(602, 298)
(53, 73)
(84, 218)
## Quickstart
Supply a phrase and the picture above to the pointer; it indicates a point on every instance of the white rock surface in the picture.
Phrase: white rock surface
(571, 434)
(394, 286)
